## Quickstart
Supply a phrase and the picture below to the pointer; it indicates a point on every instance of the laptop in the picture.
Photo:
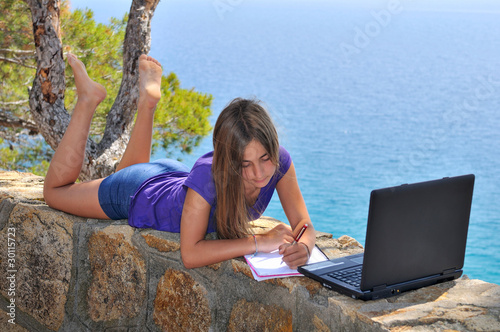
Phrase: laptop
(415, 237)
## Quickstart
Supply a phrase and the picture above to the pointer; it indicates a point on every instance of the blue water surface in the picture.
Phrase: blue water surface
(365, 95)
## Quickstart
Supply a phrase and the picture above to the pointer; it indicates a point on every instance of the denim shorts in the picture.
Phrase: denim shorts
(116, 191)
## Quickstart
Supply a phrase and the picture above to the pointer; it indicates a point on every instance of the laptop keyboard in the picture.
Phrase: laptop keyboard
(349, 276)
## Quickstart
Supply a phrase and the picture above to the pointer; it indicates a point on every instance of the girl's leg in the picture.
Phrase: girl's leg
(60, 190)
(139, 146)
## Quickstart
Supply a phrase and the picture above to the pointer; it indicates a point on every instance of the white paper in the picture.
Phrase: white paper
(268, 265)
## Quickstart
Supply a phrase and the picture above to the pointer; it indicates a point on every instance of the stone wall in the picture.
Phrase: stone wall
(64, 273)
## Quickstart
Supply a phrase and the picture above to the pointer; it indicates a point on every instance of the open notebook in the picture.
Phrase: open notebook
(268, 265)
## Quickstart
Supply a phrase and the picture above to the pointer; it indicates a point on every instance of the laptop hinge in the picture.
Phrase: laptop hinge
(379, 288)
(449, 271)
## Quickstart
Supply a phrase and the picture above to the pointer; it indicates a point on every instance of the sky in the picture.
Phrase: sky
(103, 10)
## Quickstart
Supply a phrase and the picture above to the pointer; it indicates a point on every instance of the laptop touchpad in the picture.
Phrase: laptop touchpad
(358, 260)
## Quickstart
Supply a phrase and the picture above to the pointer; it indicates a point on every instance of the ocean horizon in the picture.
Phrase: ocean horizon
(365, 95)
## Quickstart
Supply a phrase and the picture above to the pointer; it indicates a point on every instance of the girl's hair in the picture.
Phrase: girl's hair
(240, 122)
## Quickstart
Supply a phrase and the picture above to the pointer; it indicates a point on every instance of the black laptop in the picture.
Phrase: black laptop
(416, 237)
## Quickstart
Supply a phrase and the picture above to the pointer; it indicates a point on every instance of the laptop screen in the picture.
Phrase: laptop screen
(416, 230)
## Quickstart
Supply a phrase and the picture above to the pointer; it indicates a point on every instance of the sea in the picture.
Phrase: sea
(365, 95)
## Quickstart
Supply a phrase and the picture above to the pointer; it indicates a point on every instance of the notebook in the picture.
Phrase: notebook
(415, 237)
(269, 265)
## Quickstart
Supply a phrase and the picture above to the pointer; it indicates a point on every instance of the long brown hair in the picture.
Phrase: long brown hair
(240, 122)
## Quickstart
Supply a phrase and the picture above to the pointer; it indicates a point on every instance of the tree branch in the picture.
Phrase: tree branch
(19, 102)
(11, 121)
(47, 93)
(120, 117)
(46, 96)
(8, 50)
(17, 62)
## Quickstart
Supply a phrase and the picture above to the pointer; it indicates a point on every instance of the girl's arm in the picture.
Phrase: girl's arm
(296, 212)
(196, 251)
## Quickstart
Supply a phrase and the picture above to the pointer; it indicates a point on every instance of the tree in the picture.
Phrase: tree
(181, 116)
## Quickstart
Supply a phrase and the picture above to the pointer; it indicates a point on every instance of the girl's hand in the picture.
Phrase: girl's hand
(277, 236)
(294, 255)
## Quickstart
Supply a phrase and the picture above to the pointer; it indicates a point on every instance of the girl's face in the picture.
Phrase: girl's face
(257, 168)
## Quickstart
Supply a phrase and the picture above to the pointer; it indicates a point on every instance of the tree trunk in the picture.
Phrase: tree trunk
(120, 117)
(47, 92)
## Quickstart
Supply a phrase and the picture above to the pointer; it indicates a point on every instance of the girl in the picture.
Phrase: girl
(223, 191)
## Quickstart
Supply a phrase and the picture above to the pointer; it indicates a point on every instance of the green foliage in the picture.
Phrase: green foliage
(99, 46)
(16, 76)
(16, 35)
(22, 157)
(181, 118)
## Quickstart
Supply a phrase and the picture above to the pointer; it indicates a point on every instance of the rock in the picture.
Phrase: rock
(319, 325)
(343, 246)
(21, 186)
(254, 316)
(42, 250)
(181, 304)
(75, 274)
(118, 286)
(159, 243)
(464, 305)
(6, 326)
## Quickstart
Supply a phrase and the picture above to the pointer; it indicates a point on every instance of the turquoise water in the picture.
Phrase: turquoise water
(364, 96)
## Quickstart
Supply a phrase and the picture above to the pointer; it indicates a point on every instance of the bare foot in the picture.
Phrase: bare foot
(150, 72)
(86, 88)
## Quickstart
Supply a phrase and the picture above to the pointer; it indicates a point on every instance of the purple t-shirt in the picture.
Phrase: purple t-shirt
(159, 201)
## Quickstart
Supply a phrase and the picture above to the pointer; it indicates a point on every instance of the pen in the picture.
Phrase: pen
(302, 230)
(297, 238)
